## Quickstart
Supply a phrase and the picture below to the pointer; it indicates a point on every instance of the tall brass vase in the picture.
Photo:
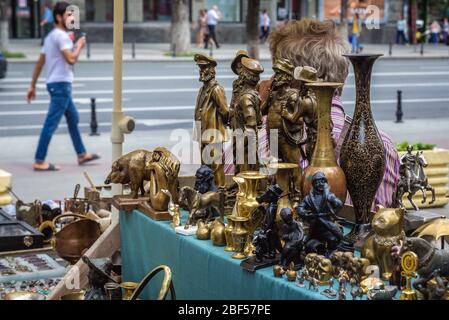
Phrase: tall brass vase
(362, 156)
(323, 158)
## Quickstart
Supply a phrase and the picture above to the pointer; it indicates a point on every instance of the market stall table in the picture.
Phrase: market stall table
(200, 270)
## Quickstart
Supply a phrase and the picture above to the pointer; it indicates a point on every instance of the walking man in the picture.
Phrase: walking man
(59, 55)
(47, 21)
(264, 26)
(213, 16)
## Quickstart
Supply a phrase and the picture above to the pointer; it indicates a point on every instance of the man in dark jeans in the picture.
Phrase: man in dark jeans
(59, 55)
(213, 16)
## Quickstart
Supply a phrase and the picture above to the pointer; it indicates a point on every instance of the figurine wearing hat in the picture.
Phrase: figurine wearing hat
(211, 115)
(283, 97)
(306, 107)
(320, 207)
(237, 84)
(293, 235)
(247, 116)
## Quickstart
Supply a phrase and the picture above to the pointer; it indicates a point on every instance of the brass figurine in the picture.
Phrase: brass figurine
(307, 106)
(318, 268)
(211, 114)
(284, 177)
(217, 234)
(388, 232)
(283, 98)
(246, 116)
(130, 168)
(412, 179)
(319, 208)
(163, 170)
(237, 84)
(203, 231)
(291, 272)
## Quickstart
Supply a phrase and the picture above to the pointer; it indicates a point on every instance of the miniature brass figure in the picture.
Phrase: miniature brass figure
(130, 168)
(217, 234)
(307, 107)
(283, 98)
(291, 272)
(163, 170)
(380, 292)
(211, 113)
(412, 179)
(246, 116)
(237, 84)
(203, 231)
(388, 231)
(292, 235)
(319, 208)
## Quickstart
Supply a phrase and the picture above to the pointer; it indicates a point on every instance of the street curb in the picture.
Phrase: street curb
(188, 59)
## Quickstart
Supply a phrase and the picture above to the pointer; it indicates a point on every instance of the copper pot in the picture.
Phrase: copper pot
(75, 238)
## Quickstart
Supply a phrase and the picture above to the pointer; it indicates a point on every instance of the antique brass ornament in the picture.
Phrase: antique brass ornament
(203, 231)
(217, 234)
(129, 288)
(75, 238)
(211, 117)
(239, 236)
(388, 232)
(319, 268)
(409, 263)
(438, 228)
(77, 295)
(323, 157)
(228, 235)
(278, 271)
(291, 272)
(246, 117)
(247, 205)
(75, 204)
(282, 100)
(24, 295)
(167, 284)
(284, 173)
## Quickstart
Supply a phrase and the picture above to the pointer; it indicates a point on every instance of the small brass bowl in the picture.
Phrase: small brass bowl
(78, 295)
(24, 295)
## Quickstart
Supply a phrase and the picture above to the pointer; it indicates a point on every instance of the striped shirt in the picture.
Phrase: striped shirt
(341, 124)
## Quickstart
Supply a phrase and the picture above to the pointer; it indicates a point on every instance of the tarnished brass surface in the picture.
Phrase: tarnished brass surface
(228, 235)
(203, 231)
(323, 157)
(217, 234)
(167, 284)
(388, 232)
(75, 238)
(239, 236)
(211, 114)
(129, 287)
(436, 228)
(409, 264)
(24, 295)
(79, 295)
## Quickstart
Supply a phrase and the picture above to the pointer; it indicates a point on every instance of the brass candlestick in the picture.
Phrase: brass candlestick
(228, 235)
(409, 263)
(129, 288)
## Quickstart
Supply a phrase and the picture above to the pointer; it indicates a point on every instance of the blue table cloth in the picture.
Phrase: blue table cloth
(200, 270)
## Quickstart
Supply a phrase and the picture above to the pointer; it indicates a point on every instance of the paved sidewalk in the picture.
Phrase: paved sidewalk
(161, 51)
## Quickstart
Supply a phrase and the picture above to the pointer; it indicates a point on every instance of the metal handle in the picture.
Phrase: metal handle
(77, 190)
(167, 283)
(66, 215)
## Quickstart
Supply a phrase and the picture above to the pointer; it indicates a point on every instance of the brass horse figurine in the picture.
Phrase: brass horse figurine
(199, 203)
(418, 182)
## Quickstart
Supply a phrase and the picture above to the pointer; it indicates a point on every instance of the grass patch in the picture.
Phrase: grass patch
(182, 54)
(14, 55)
(416, 146)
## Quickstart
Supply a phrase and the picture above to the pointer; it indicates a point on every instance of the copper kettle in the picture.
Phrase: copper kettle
(75, 238)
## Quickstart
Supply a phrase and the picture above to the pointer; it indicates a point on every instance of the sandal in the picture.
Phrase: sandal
(93, 157)
(51, 167)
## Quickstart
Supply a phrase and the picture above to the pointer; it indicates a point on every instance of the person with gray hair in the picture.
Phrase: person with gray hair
(320, 45)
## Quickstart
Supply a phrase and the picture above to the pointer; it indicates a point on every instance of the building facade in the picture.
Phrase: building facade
(149, 20)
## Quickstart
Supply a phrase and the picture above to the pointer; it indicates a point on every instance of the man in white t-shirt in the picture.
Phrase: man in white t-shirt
(213, 16)
(59, 55)
(264, 25)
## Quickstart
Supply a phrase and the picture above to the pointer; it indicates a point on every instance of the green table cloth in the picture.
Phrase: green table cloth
(200, 270)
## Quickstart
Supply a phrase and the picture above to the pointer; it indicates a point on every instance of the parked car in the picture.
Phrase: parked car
(3, 66)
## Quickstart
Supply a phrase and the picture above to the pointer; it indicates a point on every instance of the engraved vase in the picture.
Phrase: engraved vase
(362, 156)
